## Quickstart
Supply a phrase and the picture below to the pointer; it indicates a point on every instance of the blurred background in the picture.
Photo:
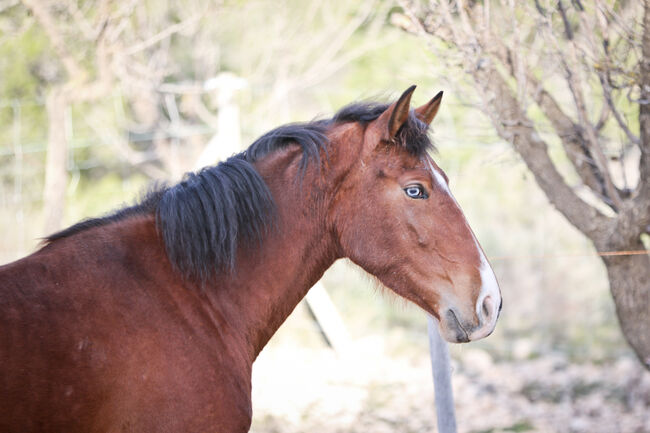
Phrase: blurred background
(99, 99)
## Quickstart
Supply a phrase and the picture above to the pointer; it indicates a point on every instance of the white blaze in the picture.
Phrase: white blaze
(441, 180)
(489, 285)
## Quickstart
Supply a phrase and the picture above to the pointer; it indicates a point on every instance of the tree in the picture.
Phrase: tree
(165, 58)
(585, 66)
(97, 46)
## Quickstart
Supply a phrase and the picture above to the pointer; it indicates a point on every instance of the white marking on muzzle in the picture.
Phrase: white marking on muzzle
(489, 288)
(489, 285)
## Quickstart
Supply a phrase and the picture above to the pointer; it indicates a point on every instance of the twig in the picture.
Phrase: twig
(175, 28)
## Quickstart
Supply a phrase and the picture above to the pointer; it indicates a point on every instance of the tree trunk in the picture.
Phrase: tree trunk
(56, 175)
(507, 84)
(629, 276)
(629, 282)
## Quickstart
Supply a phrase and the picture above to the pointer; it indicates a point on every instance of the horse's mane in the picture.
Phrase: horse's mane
(203, 218)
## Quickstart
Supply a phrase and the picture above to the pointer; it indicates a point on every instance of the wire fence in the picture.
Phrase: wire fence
(564, 255)
(23, 145)
(22, 172)
(22, 156)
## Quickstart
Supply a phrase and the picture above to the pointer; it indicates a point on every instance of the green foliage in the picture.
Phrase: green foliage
(24, 62)
(23, 57)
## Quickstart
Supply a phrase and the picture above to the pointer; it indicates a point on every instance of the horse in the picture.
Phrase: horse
(149, 318)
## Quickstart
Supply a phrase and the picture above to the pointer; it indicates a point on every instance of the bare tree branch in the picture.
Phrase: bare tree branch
(575, 81)
(603, 70)
(178, 27)
(45, 19)
(575, 138)
(513, 125)
(567, 26)
(138, 159)
(493, 63)
(642, 202)
(571, 135)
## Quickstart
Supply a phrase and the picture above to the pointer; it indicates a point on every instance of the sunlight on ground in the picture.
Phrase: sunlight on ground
(301, 389)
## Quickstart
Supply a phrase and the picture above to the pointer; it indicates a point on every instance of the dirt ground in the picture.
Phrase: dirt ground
(298, 389)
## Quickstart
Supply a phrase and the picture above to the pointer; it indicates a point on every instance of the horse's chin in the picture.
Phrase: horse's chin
(453, 334)
(454, 330)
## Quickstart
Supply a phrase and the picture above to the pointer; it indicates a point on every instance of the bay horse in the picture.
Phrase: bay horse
(149, 319)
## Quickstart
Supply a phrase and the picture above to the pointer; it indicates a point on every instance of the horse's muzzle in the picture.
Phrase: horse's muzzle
(456, 329)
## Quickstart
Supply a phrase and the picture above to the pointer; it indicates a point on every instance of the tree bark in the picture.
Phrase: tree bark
(494, 66)
(56, 175)
(629, 276)
(642, 200)
(629, 283)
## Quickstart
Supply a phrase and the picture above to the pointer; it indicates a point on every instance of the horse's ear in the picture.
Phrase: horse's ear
(428, 111)
(396, 114)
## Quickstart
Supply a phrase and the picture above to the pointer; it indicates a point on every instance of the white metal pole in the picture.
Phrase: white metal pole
(441, 368)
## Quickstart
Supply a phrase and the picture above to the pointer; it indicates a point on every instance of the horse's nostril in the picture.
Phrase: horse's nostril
(487, 309)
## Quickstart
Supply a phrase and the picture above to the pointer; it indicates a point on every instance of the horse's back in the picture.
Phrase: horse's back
(87, 345)
(35, 345)
(57, 342)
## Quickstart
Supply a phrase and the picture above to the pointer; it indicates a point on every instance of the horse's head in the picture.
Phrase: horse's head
(395, 217)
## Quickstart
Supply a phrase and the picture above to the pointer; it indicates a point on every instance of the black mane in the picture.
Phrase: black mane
(203, 218)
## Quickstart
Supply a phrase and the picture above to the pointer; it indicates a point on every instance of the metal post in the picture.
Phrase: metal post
(441, 368)
(328, 319)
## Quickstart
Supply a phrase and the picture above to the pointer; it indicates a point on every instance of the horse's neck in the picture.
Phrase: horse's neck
(265, 291)
(271, 278)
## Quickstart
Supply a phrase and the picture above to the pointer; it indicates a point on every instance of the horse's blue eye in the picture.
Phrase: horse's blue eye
(415, 191)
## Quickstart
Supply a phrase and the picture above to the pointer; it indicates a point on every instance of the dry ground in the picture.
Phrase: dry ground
(302, 389)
